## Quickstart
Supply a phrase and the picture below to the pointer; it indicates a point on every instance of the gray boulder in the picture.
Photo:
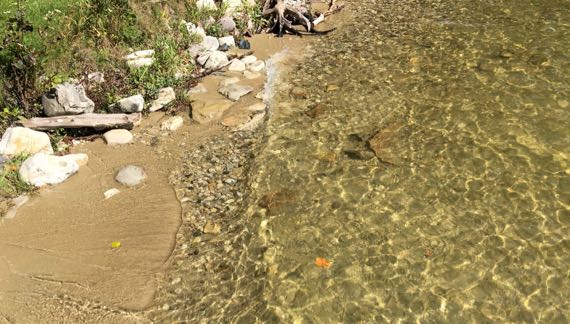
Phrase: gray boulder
(67, 99)
(228, 24)
(131, 104)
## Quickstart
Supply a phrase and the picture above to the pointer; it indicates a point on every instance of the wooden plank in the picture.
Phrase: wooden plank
(97, 121)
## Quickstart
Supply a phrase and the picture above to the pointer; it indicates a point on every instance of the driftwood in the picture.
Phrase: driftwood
(283, 14)
(96, 121)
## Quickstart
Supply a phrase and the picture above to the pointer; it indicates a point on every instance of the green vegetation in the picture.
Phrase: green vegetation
(10, 183)
(46, 42)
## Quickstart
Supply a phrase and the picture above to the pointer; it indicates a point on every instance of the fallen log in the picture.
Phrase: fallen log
(96, 121)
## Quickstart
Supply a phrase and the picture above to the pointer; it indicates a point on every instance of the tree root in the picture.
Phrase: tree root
(284, 13)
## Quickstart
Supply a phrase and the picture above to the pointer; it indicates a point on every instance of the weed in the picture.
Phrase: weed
(11, 185)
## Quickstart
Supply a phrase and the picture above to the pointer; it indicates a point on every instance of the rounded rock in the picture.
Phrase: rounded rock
(131, 175)
(118, 137)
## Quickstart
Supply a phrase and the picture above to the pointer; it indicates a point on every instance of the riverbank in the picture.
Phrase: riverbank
(97, 258)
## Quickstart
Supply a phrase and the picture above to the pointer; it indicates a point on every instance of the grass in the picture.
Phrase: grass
(10, 183)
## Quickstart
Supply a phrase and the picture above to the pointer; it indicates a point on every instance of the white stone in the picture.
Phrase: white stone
(140, 62)
(96, 77)
(227, 81)
(131, 175)
(228, 40)
(111, 192)
(251, 75)
(131, 104)
(21, 140)
(42, 169)
(199, 88)
(172, 124)
(210, 43)
(236, 66)
(249, 59)
(256, 66)
(203, 58)
(216, 60)
(235, 91)
(118, 137)
(140, 54)
(195, 30)
(206, 4)
(165, 96)
(16, 204)
(228, 24)
(67, 99)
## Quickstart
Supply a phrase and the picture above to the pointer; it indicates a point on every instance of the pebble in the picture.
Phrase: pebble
(111, 192)
(118, 137)
(131, 175)
(172, 124)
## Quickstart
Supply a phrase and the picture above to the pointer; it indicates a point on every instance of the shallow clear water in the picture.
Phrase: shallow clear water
(464, 215)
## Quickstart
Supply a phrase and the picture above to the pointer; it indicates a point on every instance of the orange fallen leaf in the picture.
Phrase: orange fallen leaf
(322, 262)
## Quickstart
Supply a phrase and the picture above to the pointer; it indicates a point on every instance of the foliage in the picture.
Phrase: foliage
(19, 64)
(251, 13)
(10, 183)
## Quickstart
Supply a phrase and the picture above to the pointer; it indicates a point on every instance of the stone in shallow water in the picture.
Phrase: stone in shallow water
(249, 59)
(131, 175)
(256, 66)
(118, 137)
(111, 192)
(42, 169)
(251, 75)
(172, 124)
(388, 143)
(236, 66)
(207, 111)
(235, 91)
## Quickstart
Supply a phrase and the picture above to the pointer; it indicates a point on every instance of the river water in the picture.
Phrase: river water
(462, 216)
(465, 215)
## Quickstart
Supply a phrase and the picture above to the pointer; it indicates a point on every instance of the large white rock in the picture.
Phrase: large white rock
(131, 175)
(216, 60)
(21, 140)
(206, 4)
(172, 124)
(67, 99)
(165, 96)
(235, 91)
(43, 169)
(118, 137)
(131, 104)
(236, 66)
(228, 40)
(210, 43)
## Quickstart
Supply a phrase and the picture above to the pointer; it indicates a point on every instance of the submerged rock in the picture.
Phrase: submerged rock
(236, 66)
(131, 175)
(165, 96)
(67, 99)
(118, 137)
(43, 169)
(207, 111)
(111, 192)
(256, 66)
(235, 91)
(21, 140)
(172, 124)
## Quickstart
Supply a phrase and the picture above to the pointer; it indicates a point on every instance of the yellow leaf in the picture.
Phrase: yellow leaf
(116, 245)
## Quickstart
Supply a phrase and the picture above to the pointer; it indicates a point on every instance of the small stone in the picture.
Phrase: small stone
(207, 111)
(254, 123)
(251, 75)
(236, 66)
(227, 81)
(228, 24)
(131, 104)
(299, 93)
(316, 111)
(248, 59)
(212, 228)
(332, 87)
(563, 103)
(131, 175)
(210, 43)
(118, 137)
(256, 66)
(166, 307)
(176, 281)
(165, 96)
(172, 124)
(21, 140)
(260, 95)
(235, 91)
(244, 44)
(216, 60)
(228, 40)
(96, 77)
(42, 169)
(16, 204)
(111, 192)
